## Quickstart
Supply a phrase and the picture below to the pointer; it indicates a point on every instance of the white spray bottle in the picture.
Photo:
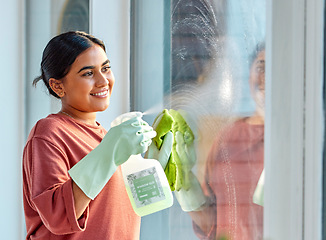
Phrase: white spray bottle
(146, 184)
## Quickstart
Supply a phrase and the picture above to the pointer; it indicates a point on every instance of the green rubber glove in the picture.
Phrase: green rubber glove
(258, 197)
(163, 154)
(190, 196)
(131, 137)
(187, 155)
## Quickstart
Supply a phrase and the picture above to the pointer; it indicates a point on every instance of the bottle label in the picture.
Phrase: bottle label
(145, 187)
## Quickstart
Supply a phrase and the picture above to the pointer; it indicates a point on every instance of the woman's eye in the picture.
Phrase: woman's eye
(87, 74)
(106, 68)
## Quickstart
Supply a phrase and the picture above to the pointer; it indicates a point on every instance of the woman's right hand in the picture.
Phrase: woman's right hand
(131, 137)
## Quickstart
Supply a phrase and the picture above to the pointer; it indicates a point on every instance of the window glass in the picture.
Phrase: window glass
(45, 19)
(217, 83)
(75, 16)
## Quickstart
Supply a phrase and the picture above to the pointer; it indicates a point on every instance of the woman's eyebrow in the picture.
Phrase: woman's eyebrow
(92, 67)
(86, 67)
(106, 62)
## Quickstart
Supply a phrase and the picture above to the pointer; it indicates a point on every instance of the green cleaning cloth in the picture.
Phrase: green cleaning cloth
(172, 120)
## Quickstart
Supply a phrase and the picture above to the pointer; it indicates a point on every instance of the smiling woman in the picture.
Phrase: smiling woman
(69, 157)
(83, 82)
(87, 87)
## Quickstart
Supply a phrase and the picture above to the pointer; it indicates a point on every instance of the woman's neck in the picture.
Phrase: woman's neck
(256, 119)
(89, 118)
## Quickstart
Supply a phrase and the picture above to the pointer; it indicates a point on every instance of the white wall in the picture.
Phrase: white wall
(12, 118)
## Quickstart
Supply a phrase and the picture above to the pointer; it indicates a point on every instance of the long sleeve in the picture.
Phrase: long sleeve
(50, 187)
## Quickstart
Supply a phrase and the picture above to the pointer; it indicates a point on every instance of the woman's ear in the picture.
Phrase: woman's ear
(57, 87)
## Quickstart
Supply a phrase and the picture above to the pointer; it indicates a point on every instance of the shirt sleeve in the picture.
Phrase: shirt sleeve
(50, 188)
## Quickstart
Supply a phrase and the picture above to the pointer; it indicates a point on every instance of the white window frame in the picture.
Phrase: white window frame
(294, 120)
(315, 122)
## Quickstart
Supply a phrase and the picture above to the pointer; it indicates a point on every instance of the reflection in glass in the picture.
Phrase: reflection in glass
(232, 170)
(218, 83)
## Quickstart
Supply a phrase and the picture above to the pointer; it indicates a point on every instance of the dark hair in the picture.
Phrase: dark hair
(60, 53)
(257, 49)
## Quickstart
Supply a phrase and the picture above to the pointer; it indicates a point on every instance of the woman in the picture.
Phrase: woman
(233, 168)
(72, 182)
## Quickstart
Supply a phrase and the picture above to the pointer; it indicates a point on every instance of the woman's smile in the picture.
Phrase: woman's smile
(102, 94)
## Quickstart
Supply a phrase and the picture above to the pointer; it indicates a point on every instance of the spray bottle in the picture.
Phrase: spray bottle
(146, 184)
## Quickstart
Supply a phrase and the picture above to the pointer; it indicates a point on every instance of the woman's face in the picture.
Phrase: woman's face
(257, 81)
(88, 85)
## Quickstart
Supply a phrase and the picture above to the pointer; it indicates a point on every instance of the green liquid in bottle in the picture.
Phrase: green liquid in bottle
(146, 184)
(152, 207)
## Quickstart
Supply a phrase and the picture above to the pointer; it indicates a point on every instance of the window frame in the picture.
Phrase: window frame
(294, 120)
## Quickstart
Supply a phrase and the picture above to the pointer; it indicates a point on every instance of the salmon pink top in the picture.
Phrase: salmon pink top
(234, 165)
(55, 144)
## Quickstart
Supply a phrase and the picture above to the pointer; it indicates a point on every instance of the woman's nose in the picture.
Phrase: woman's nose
(102, 80)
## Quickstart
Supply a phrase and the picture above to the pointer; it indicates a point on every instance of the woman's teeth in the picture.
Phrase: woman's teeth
(99, 94)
